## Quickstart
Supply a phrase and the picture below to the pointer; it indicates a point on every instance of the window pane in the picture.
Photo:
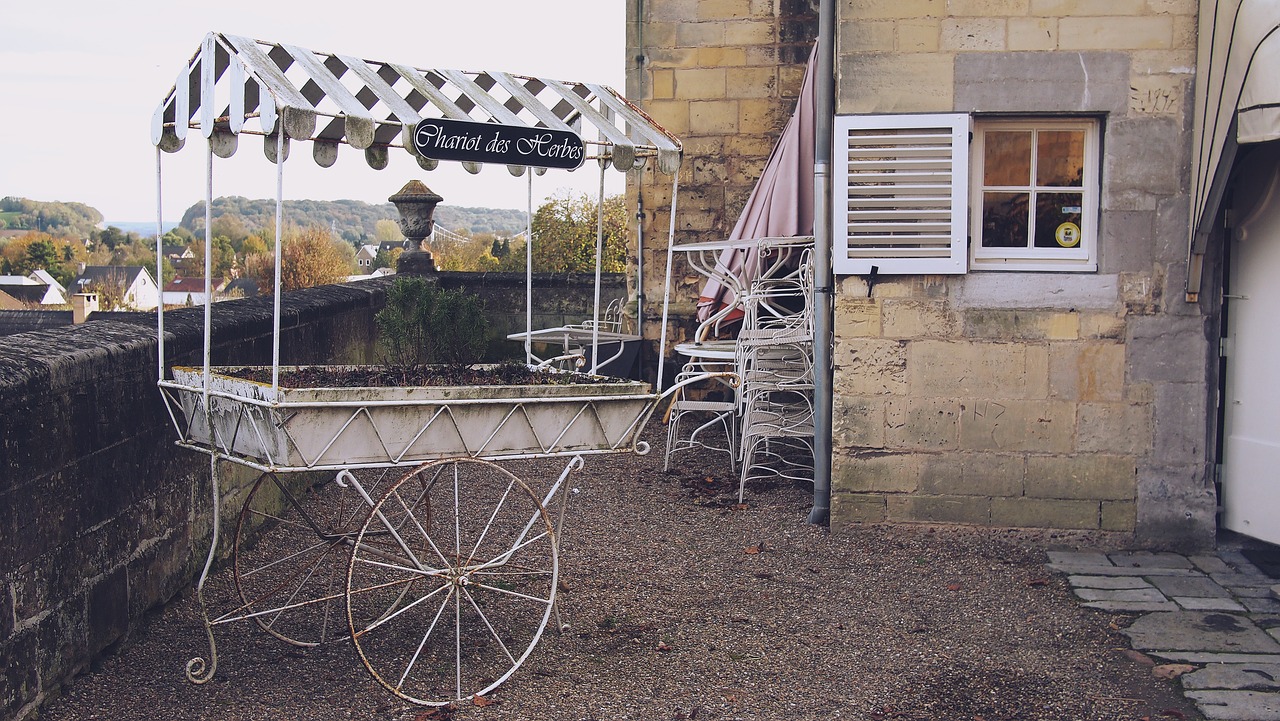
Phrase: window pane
(1060, 158)
(1007, 157)
(1058, 220)
(1004, 220)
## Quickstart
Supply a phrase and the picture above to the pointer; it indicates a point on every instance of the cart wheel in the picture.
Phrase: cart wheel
(290, 552)
(451, 581)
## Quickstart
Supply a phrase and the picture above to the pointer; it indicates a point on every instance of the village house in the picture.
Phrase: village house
(131, 286)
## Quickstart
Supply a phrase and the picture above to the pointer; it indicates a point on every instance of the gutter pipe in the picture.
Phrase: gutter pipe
(824, 280)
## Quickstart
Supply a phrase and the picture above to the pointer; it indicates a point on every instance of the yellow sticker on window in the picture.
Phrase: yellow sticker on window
(1067, 235)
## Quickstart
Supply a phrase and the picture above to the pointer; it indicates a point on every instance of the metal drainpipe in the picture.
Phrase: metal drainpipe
(823, 291)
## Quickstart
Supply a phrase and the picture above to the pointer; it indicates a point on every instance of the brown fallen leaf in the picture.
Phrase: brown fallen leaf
(1136, 656)
(1038, 582)
(663, 647)
(1170, 671)
(739, 506)
(753, 550)
(953, 587)
(1174, 713)
(563, 585)
(481, 701)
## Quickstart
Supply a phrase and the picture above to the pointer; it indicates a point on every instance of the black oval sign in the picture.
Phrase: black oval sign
(443, 139)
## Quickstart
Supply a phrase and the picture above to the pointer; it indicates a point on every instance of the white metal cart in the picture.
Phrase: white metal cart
(443, 574)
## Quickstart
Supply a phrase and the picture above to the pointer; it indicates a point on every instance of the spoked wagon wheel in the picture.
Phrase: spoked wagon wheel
(290, 556)
(451, 581)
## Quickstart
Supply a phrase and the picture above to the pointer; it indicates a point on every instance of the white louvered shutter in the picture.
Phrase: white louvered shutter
(901, 194)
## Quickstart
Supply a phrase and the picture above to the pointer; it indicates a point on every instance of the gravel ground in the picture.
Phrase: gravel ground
(685, 605)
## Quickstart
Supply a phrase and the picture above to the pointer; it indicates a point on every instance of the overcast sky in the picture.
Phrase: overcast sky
(79, 80)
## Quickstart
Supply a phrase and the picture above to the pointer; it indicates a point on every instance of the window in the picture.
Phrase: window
(1035, 195)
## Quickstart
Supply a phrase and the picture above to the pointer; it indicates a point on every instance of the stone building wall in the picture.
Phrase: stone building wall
(723, 76)
(1062, 400)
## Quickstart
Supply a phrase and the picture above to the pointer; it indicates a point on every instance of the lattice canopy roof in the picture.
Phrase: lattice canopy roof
(235, 85)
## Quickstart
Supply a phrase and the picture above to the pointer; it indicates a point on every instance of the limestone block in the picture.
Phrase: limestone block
(961, 369)
(714, 57)
(857, 317)
(1017, 425)
(723, 9)
(1116, 33)
(751, 82)
(671, 114)
(700, 84)
(759, 116)
(919, 319)
(1102, 325)
(973, 474)
(662, 85)
(857, 422)
(973, 510)
(1062, 291)
(1143, 292)
(713, 116)
(922, 424)
(1118, 516)
(911, 286)
(1127, 240)
(988, 8)
(870, 367)
(1114, 428)
(659, 35)
(747, 33)
(1033, 33)
(1180, 412)
(696, 35)
(1173, 7)
(1156, 95)
(895, 82)
(876, 471)
(1064, 8)
(1092, 476)
(673, 10)
(1179, 60)
(861, 37)
(881, 9)
(1167, 349)
(1086, 371)
(1046, 81)
(1001, 324)
(974, 34)
(1045, 513)
(850, 508)
(1176, 508)
(918, 35)
(672, 57)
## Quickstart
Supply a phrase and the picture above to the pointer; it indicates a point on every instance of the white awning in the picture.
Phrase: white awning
(1237, 102)
(234, 85)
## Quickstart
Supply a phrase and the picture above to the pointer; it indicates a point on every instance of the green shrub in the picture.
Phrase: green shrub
(423, 323)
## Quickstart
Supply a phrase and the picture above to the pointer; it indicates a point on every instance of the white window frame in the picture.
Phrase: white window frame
(1082, 258)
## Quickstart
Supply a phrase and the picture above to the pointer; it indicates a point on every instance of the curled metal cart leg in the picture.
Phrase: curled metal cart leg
(452, 579)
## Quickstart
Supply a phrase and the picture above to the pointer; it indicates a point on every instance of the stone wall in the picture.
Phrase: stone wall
(101, 516)
(723, 76)
(1056, 400)
(1062, 400)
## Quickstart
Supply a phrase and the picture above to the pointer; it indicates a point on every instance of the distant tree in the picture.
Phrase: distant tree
(110, 290)
(223, 260)
(310, 258)
(564, 235)
(387, 231)
(254, 244)
(60, 256)
(387, 258)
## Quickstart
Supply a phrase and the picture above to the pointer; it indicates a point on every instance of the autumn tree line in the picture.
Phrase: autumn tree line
(320, 239)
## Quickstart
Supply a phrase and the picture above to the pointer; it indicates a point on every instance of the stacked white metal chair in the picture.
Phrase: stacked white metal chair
(775, 362)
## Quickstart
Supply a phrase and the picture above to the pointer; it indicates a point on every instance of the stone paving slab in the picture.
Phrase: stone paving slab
(1215, 611)
(1199, 631)
(1083, 570)
(1235, 676)
(1237, 705)
(1189, 587)
(1197, 603)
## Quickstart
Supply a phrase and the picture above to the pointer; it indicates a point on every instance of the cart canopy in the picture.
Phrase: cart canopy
(235, 85)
